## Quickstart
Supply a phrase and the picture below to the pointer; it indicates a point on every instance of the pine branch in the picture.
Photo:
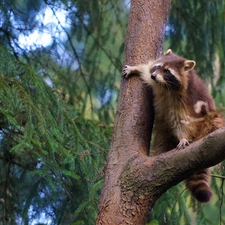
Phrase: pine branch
(218, 176)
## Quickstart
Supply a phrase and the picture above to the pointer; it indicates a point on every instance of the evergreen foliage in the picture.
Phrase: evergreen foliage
(51, 158)
(51, 154)
(83, 56)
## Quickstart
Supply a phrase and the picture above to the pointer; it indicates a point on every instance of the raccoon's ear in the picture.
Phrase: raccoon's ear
(169, 51)
(189, 65)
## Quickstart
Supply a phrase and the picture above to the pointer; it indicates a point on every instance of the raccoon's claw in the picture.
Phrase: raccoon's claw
(126, 71)
(183, 143)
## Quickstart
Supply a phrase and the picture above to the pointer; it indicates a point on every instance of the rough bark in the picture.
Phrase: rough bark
(133, 180)
(134, 117)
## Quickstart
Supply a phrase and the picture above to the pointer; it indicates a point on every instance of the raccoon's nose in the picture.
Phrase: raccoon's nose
(153, 76)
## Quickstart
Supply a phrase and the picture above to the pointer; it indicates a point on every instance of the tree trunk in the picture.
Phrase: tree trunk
(120, 204)
(133, 180)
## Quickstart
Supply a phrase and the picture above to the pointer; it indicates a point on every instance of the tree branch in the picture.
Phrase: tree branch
(159, 173)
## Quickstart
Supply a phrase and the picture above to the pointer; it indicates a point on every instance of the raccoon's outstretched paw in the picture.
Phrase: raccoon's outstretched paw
(127, 70)
(183, 143)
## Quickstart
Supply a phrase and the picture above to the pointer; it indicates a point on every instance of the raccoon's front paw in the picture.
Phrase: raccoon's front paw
(183, 143)
(127, 70)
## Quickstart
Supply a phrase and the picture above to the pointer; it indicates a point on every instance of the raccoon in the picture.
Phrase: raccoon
(184, 110)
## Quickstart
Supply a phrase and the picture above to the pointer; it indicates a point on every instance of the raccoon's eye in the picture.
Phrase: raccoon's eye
(167, 72)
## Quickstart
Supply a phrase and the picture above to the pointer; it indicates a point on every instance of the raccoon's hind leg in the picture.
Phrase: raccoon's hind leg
(163, 140)
(198, 185)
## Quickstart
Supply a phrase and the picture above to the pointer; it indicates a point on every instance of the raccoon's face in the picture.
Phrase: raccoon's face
(166, 76)
(171, 71)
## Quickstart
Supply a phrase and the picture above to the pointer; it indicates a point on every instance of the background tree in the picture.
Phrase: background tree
(60, 67)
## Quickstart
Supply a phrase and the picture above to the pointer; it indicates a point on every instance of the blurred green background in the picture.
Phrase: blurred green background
(60, 72)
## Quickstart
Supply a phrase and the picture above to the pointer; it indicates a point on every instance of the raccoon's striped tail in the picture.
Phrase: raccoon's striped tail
(198, 185)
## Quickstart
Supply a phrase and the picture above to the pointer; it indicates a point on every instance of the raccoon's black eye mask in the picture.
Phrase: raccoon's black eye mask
(171, 80)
